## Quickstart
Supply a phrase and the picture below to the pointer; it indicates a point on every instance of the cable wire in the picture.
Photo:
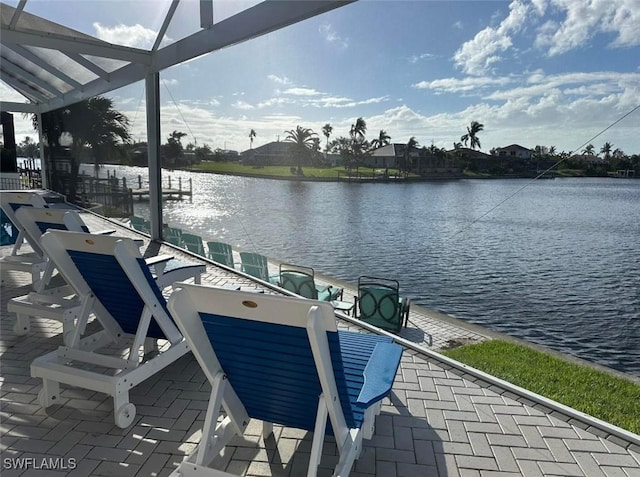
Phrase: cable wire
(481, 216)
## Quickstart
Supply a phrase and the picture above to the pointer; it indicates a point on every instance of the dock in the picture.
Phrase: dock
(171, 194)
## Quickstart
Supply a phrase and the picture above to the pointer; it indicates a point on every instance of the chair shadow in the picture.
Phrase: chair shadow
(289, 455)
(416, 335)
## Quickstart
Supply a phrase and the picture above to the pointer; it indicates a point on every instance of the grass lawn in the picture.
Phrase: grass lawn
(281, 171)
(609, 398)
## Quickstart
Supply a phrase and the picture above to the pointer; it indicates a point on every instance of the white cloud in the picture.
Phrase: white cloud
(302, 92)
(413, 59)
(332, 37)
(586, 18)
(135, 36)
(461, 85)
(280, 79)
(243, 105)
(476, 56)
(593, 85)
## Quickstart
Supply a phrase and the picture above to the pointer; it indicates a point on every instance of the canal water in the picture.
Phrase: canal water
(555, 262)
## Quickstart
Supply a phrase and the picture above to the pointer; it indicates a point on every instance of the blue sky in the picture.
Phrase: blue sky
(548, 72)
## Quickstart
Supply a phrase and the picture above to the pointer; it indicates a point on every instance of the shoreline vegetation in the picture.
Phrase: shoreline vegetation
(362, 174)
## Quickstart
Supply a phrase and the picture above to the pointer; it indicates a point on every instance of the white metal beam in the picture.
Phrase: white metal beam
(152, 91)
(36, 60)
(122, 77)
(206, 13)
(16, 14)
(18, 107)
(24, 89)
(77, 45)
(255, 21)
(88, 64)
(260, 19)
(165, 24)
(22, 73)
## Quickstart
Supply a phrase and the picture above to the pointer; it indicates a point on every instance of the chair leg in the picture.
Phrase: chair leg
(49, 394)
(22, 325)
(318, 437)
(350, 452)
(267, 429)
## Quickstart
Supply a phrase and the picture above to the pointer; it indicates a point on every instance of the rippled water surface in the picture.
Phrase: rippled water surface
(557, 264)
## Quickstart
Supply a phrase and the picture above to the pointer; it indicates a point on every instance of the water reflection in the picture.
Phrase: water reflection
(557, 264)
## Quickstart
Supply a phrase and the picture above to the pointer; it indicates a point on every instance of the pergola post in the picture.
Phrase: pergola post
(44, 170)
(152, 90)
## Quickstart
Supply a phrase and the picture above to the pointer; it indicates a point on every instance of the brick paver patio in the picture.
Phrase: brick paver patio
(440, 419)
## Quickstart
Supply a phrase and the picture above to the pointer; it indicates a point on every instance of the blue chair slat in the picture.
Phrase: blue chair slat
(15, 206)
(287, 377)
(8, 231)
(285, 374)
(115, 291)
(44, 226)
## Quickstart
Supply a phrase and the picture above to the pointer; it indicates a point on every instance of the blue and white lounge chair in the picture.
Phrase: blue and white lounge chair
(112, 281)
(58, 302)
(33, 261)
(281, 360)
(10, 201)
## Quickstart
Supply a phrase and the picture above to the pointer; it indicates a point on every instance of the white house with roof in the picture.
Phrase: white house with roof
(514, 150)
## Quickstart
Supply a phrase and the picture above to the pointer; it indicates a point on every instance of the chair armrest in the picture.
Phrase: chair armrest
(158, 259)
(335, 292)
(104, 232)
(379, 373)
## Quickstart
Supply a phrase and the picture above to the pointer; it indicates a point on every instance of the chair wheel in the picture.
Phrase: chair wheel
(44, 400)
(20, 329)
(124, 415)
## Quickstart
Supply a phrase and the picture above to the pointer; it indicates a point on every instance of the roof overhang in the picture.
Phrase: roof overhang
(52, 65)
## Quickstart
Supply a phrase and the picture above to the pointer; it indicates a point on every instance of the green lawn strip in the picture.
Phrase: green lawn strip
(281, 171)
(602, 395)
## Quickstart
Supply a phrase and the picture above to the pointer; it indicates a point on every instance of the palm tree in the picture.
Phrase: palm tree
(358, 130)
(471, 136)
(327, 129)
(411, 145)
(252, 135)
(304, 142)
(28, 148)
(382, 140)
(92, 122)
(589, 150)
(606, 149)
(173, 149)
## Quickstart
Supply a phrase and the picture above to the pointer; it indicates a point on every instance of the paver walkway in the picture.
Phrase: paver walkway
(438, 421)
